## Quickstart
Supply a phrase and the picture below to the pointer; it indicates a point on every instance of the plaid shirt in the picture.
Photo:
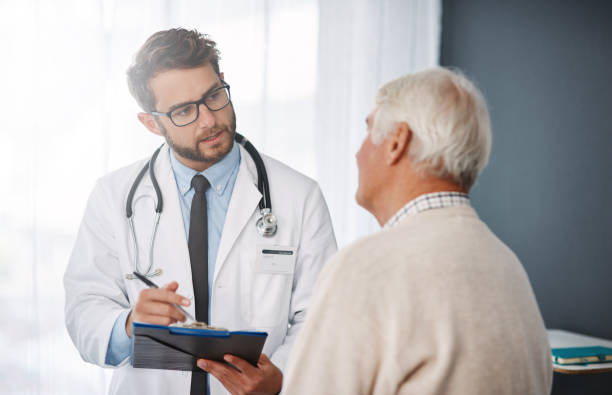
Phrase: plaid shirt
(429, 201)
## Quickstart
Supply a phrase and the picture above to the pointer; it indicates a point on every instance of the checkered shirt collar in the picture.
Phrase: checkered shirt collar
(429, 201)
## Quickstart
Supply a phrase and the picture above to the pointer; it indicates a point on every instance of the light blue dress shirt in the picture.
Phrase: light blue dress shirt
(221, 176)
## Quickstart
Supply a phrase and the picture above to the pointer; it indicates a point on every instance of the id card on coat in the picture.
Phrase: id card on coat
(275, 259)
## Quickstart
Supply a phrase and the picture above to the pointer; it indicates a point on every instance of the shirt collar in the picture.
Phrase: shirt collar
(218, 175)
(429, 201)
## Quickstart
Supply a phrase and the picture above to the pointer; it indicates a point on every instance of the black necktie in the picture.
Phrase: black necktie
(198, 255)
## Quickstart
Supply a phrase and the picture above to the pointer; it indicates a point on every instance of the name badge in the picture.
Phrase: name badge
(275, 259)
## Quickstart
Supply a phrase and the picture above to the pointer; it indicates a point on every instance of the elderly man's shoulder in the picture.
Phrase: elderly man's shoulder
(385, 251)
(424, 246)
(416, 234)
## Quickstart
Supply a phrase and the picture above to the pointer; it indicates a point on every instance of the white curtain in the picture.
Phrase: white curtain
(303, 75)
(360, 48)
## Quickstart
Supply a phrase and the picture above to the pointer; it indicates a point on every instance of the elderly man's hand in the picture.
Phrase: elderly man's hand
(248, 379)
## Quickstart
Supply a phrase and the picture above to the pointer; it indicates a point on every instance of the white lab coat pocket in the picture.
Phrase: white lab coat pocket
(267, 286)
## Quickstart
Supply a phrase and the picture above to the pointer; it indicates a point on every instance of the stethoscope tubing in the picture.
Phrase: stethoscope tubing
(265, 204)
(150, 167)
(262, 174)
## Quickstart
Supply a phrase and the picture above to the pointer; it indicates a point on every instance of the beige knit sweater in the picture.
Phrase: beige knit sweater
(435, 305)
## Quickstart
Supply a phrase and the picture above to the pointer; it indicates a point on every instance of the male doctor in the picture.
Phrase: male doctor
(207, 249)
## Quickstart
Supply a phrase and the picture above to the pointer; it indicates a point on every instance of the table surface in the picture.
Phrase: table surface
(559, 338)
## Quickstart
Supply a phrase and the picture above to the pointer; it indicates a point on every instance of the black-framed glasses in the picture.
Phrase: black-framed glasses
(187, 113)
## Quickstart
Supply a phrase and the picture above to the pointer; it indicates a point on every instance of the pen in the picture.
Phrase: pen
(151, 284)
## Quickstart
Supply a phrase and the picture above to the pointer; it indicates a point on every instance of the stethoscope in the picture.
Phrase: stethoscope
(266, 225)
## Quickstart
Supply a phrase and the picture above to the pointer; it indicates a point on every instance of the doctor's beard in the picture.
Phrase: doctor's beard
(194, 154)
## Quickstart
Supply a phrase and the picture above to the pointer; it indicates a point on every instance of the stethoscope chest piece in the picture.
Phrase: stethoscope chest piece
(267, 224)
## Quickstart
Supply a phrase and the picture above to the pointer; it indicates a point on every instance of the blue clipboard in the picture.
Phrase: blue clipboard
(177, 348)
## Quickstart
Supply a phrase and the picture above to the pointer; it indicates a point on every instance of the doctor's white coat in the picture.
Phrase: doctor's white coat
(243, 297)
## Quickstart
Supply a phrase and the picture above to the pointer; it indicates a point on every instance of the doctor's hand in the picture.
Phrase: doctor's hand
(248, 379)
(154, 306)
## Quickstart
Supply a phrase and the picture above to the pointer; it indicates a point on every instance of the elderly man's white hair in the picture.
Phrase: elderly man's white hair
(449, 120)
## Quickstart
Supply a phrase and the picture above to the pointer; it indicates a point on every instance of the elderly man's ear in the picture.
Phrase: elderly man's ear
(398, 143)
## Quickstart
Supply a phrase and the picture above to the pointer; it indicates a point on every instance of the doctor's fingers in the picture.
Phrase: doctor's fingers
(171, 286)
(155, 319)
(158, 309)
(264, 361)
(163, 295)
(242, 365)
(228, 376)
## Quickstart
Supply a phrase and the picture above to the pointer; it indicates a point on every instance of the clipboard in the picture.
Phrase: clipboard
(176, 348)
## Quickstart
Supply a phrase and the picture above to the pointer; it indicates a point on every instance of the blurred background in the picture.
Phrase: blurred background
(303, 76)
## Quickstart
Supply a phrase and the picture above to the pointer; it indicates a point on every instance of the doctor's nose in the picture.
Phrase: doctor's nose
(206, 118)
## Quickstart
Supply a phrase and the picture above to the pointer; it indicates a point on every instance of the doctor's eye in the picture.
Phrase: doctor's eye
(184, 111)
(213, 96)
(216, 99)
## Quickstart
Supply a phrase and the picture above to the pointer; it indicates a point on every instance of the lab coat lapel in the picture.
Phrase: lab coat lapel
(171, 251)
(243, 204)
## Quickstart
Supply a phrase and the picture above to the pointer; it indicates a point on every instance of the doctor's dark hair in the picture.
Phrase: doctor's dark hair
(167, 50)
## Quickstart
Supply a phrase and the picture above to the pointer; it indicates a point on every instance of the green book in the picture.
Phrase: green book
(581, 355)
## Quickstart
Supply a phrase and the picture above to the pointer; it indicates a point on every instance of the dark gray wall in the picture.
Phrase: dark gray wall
(545, 69)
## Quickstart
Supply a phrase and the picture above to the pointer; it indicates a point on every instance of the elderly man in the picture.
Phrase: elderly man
(434, 303)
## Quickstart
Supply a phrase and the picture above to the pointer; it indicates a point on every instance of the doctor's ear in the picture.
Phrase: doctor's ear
(149, 122)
